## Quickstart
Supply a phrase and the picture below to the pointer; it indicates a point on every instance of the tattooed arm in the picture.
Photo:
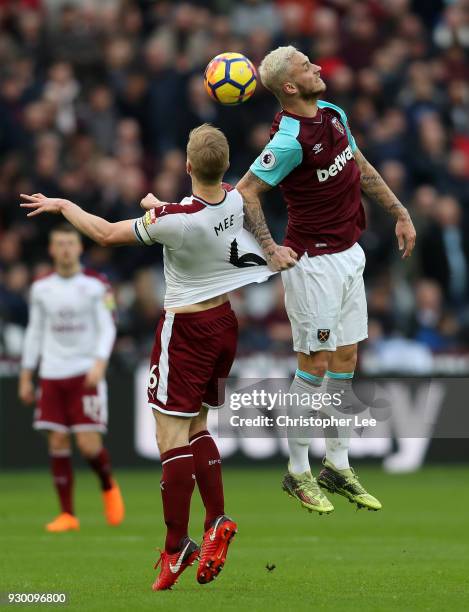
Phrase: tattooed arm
(278, 257)
(373, 185)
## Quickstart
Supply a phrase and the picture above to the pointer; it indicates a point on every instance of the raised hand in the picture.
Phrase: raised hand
(151, 201)
(405, 233)
(95, 374)
(280, 258)
(39, 203)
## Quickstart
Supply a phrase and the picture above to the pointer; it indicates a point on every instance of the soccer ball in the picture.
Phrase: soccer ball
(230, 78)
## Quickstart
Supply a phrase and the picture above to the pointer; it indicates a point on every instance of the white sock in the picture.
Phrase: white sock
(337, 446)
(299, 447)
(299, 459)
(337, 451)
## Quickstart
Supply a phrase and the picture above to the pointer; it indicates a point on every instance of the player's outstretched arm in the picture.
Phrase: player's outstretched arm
(375, 187)
(98, 229)
(278, 257)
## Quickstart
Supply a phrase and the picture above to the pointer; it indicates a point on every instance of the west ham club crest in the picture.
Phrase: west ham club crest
(338, 125)
(323, 335)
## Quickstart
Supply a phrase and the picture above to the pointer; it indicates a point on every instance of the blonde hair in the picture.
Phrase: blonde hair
(208, 153)
(274, 68)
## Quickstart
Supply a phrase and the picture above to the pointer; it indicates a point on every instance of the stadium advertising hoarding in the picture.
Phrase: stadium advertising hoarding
(400, 421)
(417, 420)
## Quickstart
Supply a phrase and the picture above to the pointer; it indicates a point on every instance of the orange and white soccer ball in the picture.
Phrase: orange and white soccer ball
(230, 78)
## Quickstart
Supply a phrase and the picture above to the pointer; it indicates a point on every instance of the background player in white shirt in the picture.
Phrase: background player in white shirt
(206, 254)
(70, 334)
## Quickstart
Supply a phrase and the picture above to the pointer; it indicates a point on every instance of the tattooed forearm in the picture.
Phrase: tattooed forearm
(374, 186)
(278, 257)
(254, 220)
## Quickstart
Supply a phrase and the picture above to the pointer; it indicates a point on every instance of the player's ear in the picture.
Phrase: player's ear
(188, 167)
(289, 88)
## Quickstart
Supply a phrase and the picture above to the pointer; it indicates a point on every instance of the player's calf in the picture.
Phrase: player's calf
(62, 475)
(299, 483)
(208, 474)
(99, 460)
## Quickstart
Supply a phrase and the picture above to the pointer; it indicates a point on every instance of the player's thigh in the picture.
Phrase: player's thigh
(353, 325)
(179, 367)
(171, 431)
(50, 413)
(186, 357)
(223, 358)
(87, 408)
(313, 299)
(89, 442)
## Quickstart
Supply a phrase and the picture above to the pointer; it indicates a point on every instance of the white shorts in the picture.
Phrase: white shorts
(325, 300)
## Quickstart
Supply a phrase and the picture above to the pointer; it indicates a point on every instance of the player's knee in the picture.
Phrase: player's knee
(58, 441)
(314, 363)
(168, 439)
(198, 423)
(345, 359)
(89, 443)
(171, 432)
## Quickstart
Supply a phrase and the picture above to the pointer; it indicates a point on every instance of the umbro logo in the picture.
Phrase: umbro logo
(317, 148)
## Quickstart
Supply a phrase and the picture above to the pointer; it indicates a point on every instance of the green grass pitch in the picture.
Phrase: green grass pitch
(413, 555)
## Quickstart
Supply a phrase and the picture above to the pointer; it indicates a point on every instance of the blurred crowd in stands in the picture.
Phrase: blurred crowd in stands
(97, 99)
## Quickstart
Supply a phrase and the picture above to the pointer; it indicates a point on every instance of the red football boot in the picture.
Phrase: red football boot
(172, 565)
(215, 547)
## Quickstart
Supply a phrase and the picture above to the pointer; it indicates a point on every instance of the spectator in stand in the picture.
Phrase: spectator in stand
(96, 100)
(445, 251)
(432, 325)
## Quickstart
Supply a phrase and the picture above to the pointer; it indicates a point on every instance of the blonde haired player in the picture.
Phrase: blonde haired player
(70, 333)
(313, 157)
(206, 254)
